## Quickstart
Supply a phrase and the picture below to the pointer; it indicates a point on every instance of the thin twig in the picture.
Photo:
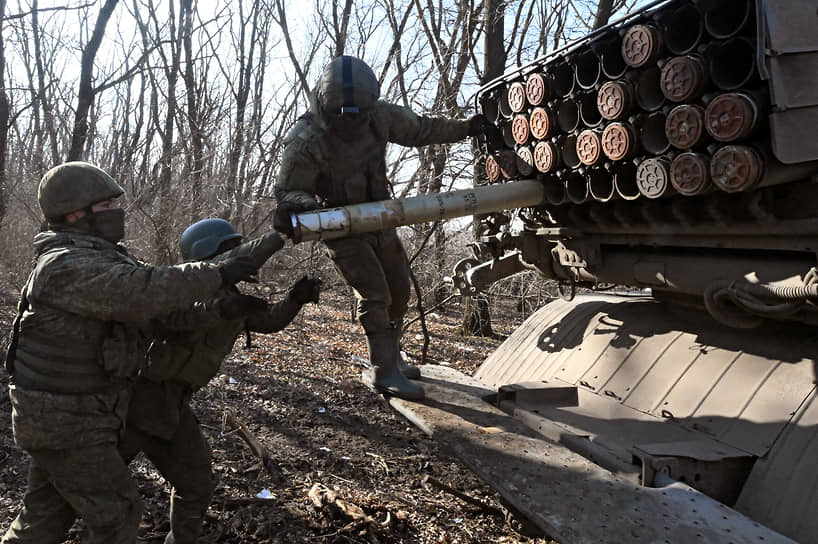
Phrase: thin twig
(486, 508)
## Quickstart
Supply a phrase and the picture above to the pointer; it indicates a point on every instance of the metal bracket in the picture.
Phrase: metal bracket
(576, 253)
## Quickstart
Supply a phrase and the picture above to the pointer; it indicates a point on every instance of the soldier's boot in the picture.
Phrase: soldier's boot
(410, 371)
(384, 376)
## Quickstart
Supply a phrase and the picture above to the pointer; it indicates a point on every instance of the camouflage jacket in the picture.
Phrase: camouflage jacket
(91, 310)
(181, 361)
(340, 169)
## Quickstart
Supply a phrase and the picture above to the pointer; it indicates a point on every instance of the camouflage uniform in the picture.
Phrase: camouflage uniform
(160, 421)
(83, 336)
(336, 155)
(321, 166)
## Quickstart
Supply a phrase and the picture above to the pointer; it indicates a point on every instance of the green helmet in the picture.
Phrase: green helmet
(347, 86)
(202, 239)
(74, 186)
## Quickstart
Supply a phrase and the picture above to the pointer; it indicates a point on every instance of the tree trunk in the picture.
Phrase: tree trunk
(477, 320)
(85, 96)
(603, 13)
(4, 118)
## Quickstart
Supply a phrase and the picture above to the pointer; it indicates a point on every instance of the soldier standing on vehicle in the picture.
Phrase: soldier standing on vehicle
(160, 420)
(336, 155)
(79, 338)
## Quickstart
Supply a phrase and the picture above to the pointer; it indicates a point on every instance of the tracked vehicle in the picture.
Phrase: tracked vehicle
(674, 152)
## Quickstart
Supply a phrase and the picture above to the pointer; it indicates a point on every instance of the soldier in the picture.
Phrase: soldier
(78, 340)
(335, 155)
(160, 421)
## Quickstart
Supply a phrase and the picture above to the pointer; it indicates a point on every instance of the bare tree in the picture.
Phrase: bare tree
(4, 118)
(85, 96)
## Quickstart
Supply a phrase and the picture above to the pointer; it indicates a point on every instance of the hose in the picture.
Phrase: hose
(744, 305)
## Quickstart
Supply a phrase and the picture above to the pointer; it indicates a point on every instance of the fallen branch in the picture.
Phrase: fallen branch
(485, 508)
(258, 450)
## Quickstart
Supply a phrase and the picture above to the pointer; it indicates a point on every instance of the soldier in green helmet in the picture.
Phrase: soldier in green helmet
(336, 155)
(160, 421)
(84, 319)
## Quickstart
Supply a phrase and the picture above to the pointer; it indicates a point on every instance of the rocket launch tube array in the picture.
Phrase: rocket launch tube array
(674, 100)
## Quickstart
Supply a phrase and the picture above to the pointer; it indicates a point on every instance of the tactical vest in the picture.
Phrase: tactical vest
(352, 171)
(45, 360)
(192, 358)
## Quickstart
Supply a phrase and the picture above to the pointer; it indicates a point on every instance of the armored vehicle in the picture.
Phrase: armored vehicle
(673, 152)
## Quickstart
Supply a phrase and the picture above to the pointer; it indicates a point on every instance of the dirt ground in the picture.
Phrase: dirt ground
(354, 470)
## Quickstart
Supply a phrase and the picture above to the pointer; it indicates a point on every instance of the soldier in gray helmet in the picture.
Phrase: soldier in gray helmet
(160, 420)
(80, 337)
(335, 155)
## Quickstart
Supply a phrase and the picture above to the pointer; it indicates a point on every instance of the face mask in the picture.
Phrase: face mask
(108, 224)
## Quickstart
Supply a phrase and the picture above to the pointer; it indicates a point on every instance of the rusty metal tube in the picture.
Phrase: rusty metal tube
(684, 78)
(685, 126)
(642, 45)
(625, 181)
(568, 116)
(690, 173)
(373, 216)
(610, 59)
(537, 89)
(727, 18)
(576, 187)
(736, 168)
(588, 109)
(652, 136)
(649, 94)
(562, 78)
(489, 105)
(601, 184)
(733, 116)
(684, 29)
(587, 69)
(653, 177)
(554, 190)
(732, 63)
(568, 152)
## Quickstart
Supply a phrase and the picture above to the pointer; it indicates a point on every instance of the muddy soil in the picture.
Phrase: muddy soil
(347, 468)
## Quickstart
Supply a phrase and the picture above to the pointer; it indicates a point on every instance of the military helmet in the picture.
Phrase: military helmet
(74, 186)
(202, 239)
(347, 86)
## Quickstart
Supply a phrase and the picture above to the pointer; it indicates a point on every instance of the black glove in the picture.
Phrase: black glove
(281, 218)
(239, 306)
(305, 290)
(236, 269)
(478, 125)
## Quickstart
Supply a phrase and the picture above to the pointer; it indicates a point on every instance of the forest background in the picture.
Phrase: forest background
(186, 103)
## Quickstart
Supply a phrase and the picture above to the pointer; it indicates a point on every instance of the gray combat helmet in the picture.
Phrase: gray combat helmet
(202, 239)
(74, 186)
(347, 86)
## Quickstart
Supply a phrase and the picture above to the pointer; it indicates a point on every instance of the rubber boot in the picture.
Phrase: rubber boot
(384, 375)
(410, 371)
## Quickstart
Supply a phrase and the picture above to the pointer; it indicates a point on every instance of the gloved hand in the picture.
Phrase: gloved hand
(478, 125)
(237, 269)
(239, 306)
(305, 290)
(281, 218)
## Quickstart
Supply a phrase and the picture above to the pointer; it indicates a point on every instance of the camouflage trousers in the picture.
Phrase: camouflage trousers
(376, 267)
(93, 483)
(184, 460)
